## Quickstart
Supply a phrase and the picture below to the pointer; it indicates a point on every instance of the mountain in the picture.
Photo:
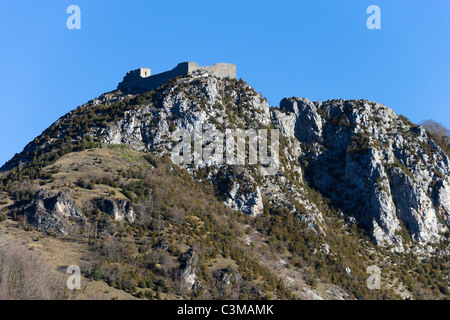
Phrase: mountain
(355, 185)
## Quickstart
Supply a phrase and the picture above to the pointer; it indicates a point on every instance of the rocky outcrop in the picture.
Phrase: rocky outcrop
(239, 191)
(187, 268)
(120, 210)
(53, 212)
(374, 165)
(249, 202)
(414, 208)
(226, 277)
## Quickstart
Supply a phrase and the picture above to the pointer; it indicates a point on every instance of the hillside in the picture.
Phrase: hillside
(357, 185)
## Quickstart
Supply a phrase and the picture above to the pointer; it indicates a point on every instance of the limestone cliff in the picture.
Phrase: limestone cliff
(374, 165)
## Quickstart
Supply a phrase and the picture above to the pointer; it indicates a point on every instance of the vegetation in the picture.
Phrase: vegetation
(25, 275)
(175, 215)
(439, 134)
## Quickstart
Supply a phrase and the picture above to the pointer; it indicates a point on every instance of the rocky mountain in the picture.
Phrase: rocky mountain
(347, 169)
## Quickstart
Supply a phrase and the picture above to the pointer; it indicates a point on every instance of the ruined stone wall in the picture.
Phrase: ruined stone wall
(136, 79)
(219, 69)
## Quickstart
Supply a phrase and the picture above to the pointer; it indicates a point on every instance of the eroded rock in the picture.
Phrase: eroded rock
(53, 212)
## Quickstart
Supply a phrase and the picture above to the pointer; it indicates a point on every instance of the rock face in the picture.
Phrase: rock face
(201, 102)
(374, 165)
(188, 265)
(202, 108)
(120, 210)
(51, 212)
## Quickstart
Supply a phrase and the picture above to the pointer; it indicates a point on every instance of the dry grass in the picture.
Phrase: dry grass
(93, 164)
(57, 254)
(5, 201)
(26, 275)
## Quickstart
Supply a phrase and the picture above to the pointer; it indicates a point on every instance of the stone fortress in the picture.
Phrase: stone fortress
(142, 79)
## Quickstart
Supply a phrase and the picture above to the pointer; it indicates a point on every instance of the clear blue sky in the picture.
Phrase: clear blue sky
(315, 49)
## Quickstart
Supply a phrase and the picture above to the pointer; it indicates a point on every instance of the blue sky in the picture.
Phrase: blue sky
(316, 49)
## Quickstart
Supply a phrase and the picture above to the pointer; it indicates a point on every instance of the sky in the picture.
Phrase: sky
(318, 49)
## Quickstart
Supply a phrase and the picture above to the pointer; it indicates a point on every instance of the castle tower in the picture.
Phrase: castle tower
(145, 72)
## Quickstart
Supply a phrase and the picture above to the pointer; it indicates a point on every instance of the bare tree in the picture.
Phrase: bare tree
(144, 210)
(439, 131)
(177, 214)
(25, 275)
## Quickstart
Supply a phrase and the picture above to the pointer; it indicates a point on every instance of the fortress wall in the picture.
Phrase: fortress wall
(222, 70)
(159, 79)
(134, 79)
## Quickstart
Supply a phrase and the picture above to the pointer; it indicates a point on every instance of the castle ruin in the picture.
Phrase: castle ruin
(142, 79)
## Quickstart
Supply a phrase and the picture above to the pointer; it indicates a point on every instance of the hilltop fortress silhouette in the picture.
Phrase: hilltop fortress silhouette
(142, 79)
